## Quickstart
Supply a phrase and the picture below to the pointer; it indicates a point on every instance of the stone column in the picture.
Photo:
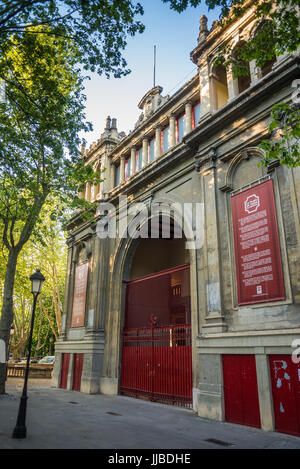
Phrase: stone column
(88, 192)
(145, 151)
(122, 169)
(106, 175)
(101, 184)
(157, 141)
(172, 131)
(210, 389)
(97, 187)
(112, 175)
(232, 84)
(204, 89)
(188, 117)
(213, 92)
(133, 161)
(93, 192)
(254, 72)
(215, 321)
(264, 388)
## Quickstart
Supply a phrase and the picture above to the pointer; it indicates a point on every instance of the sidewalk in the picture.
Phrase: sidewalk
(58, 419)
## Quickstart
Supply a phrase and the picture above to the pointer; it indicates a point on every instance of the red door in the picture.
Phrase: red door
(285, 377)
(240, 390)
(77, 371)
(64, 370)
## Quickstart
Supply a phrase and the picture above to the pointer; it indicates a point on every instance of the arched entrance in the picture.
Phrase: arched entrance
(156, 362)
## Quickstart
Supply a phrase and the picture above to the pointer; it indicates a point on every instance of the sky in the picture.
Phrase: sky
(175, 36)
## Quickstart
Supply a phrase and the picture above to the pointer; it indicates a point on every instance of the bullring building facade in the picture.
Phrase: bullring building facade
(185, 288)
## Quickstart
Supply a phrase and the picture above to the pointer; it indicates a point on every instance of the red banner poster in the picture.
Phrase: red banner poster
(257, 251)
(79, 298)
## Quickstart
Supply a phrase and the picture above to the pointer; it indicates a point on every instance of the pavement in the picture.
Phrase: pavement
(62, 419)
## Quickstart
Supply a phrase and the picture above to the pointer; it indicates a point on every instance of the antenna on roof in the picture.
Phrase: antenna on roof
(154, 67)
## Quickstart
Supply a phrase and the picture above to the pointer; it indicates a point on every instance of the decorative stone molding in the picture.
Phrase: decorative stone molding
(243, 155)
(203, 31)
(206, 160)
(83, 244)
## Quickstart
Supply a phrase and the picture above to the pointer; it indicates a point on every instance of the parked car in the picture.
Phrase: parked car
(49, 359)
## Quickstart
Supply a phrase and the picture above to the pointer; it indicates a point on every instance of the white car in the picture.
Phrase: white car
(49, 359)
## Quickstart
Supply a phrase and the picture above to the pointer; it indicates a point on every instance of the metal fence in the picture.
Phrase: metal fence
(157, 364)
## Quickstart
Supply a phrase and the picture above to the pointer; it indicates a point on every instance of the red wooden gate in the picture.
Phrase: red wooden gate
(77, 371)
(64, 370)
(240, 390)
(285, 377)
(157, 364)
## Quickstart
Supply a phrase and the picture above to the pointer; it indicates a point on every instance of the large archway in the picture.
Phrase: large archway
(156, 351)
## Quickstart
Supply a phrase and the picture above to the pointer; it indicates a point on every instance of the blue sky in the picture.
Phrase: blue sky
(175, 36)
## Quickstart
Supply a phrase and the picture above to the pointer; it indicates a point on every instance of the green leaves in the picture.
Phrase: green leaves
(98, 27)
(39, 126)
(284, 145)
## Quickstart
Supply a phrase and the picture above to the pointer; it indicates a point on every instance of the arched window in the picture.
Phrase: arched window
(267, 67)
(244, 79)
(261, 35)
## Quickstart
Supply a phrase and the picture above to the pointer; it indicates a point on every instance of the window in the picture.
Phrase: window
(151, 149)
(219, 83)
(165, 139)
(243, 81)
(180, 128)
(117, 175)
(139, 159)
(195, 115)
(267, 67)
(127, 168)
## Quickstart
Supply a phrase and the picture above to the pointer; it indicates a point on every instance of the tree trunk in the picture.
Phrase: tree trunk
(7, 315)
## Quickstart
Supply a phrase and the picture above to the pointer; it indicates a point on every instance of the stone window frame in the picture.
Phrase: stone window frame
(228, 189)
(82, 245)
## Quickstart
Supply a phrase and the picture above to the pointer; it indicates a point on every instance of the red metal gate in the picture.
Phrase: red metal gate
(156, 340)
(157, 364)
(240, 390)
(77, 371)
(64, 370)
(285, 377)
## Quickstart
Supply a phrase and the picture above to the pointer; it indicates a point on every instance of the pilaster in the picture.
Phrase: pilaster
(204, 89)
(214, 320)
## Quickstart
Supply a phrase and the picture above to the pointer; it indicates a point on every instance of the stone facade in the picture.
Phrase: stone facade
(216, 156)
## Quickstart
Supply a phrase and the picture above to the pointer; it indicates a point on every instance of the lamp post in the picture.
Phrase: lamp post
(37, 280)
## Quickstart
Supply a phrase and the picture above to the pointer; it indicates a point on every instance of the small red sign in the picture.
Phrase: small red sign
(79, 299)
(257, 251)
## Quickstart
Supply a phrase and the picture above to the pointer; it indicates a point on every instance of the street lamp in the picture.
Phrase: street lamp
(37, 280)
